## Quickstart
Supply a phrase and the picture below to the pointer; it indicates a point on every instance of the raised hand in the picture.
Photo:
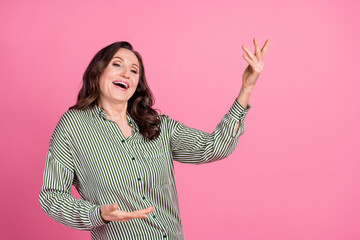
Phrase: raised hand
(251, 73)
(256, 64)
(111, 212)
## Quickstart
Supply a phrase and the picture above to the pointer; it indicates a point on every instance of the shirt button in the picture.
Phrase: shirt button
(242, 115)
(139, 179)
(154, 216)
(133, 158)
(123, 141)
(164, 236)
(143, 197)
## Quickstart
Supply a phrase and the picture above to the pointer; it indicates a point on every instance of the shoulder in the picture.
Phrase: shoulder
(163, 117)
(163, 120)
(74, 115)
(168, 122)
(71, 119)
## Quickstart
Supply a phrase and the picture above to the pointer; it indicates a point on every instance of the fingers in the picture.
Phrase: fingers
(250, 54)
(257, 49)
(111, 212)
(264, 48)
(259, 54)
(109, 207)
(115, 206)
(143, 212)
(250, 62)
(125, 216)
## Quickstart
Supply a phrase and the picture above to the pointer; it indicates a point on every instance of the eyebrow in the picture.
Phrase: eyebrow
(124, 61)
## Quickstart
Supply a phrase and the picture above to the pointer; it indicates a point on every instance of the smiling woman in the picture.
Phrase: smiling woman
(112, 66)
(118, 152)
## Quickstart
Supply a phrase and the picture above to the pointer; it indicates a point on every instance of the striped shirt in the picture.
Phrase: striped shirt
(89, 151)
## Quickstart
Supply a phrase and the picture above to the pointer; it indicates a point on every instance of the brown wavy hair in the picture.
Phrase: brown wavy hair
(139, 105)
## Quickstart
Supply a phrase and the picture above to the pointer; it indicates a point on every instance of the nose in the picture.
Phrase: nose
(125, 73)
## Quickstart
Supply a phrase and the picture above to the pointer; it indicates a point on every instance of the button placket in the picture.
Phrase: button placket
(140, 180)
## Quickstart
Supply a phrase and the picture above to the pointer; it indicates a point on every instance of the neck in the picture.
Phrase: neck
(114, 111)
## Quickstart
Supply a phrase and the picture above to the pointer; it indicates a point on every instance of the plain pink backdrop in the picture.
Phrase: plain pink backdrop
(295, 173)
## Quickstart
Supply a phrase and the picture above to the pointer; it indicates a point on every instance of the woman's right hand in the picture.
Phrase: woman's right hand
(111, 212)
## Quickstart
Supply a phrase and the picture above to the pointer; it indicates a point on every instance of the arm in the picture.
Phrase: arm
(55, 195)
(252, 72)
(194, 146)
(191, 145)
(243, 100)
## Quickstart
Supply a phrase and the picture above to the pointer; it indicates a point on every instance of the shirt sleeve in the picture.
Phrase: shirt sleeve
(55, 195)
(189, 145)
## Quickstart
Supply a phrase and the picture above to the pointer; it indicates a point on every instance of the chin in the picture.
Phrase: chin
(117, 99)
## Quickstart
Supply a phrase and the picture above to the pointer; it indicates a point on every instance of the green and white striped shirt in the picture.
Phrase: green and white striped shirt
(89, 151)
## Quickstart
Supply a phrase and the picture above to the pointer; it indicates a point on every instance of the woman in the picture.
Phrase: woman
(118, 152)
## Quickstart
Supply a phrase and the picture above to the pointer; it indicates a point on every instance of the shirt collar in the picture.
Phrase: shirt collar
(98, 111)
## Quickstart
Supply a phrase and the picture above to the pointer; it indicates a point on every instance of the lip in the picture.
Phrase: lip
(123, 82)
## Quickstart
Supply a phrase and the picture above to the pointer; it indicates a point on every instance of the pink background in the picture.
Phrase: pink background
(296, 171)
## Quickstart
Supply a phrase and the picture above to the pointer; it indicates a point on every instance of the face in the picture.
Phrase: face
(120, 78)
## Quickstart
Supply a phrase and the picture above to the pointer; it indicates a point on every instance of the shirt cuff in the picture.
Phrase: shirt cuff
(95, 217)
(238, 112)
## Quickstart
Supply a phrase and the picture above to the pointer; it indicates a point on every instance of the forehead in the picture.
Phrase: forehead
(127, 56)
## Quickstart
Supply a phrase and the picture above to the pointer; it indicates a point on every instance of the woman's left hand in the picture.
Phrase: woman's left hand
(256, 65)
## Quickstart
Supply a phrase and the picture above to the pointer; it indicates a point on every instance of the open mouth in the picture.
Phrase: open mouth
(121, 84)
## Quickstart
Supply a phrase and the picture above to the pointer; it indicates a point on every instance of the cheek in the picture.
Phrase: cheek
(136, 81)
(136, 86)
(101, 83)
(104, 84)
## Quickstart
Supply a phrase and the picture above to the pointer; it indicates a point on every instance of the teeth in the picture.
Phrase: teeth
(123, 84)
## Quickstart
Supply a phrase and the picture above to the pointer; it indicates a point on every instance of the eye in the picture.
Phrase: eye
(118, 65)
